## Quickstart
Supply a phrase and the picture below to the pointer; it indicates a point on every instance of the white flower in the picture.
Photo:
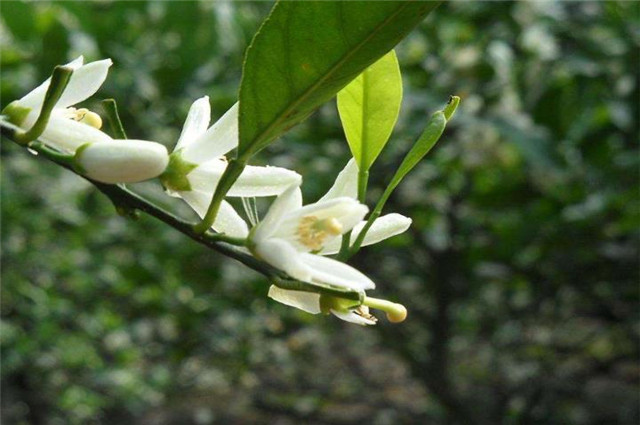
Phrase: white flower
(72, 130)
(68, 128)
(121, 161)
(288, 235)
(315, 303)
(345, 187)
(294, 229)
(382, 228)
(198, 161)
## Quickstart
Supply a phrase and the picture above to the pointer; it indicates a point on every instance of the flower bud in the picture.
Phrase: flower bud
(121, 161)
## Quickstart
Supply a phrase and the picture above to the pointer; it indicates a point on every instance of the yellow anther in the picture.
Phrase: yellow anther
(363, 311)
(313, 232)
(332, 226)
(87, 117)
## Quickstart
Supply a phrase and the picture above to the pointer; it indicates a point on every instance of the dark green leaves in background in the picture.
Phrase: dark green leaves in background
(305, 52)
(520, 270)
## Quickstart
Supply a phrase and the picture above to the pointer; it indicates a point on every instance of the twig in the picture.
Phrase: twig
(127, 200)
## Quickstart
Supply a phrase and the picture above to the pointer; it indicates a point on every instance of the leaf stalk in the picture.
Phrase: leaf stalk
(59, 80)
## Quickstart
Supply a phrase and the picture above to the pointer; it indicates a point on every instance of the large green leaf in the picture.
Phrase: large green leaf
(369, 107)
(305, 52)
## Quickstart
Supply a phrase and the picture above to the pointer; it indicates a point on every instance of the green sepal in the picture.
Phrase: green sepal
(76, 159)
(15, 113)
(328, 303)
(324, 289)
(174, 177)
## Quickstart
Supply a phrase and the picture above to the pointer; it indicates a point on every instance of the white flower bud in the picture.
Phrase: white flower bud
(122, 161)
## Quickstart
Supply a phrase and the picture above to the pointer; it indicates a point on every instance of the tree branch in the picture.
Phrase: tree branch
(128, 202)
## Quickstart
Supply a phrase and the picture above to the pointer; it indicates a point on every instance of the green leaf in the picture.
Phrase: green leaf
(427, 140)
(369, 107)
(429, 137)
(305, 52)
(433, 131)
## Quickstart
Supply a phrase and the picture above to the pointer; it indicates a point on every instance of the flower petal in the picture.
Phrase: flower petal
(288, 200)
(228, 221)
(35, 97)
(84, 82)
(217, 141)
(254, 181)
(346, 183)
(196, 123)
(205, 177)
(264, 181)
(347, 211)
(334, 272)
(66, 134)
(382, 228)
(283, 256)
(306, 301)
(352, 317)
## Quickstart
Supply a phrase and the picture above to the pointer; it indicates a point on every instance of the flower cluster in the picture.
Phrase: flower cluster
(77, 131)
(293, 238)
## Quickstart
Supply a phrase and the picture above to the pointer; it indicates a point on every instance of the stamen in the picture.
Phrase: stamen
(333, 226)
(363, 311)
(86, 116)
(313, 232)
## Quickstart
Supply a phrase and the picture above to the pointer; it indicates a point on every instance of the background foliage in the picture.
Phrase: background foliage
(520, 271)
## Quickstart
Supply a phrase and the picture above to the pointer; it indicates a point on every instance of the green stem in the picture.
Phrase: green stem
(363, 180)
(59, 80)
(344, 246)
(111, 109)
(229, 177)
(221, 237)
(59, 157)
(429, 137)
(372, 217)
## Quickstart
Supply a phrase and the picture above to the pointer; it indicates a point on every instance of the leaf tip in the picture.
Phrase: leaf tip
(451, 107)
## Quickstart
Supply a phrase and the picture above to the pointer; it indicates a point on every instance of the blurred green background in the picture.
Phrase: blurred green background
(520, 271)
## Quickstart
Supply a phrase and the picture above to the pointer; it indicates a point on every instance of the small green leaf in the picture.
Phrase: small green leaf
(433, 131)
(306, 51)
(369, 108)
(429, 137)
